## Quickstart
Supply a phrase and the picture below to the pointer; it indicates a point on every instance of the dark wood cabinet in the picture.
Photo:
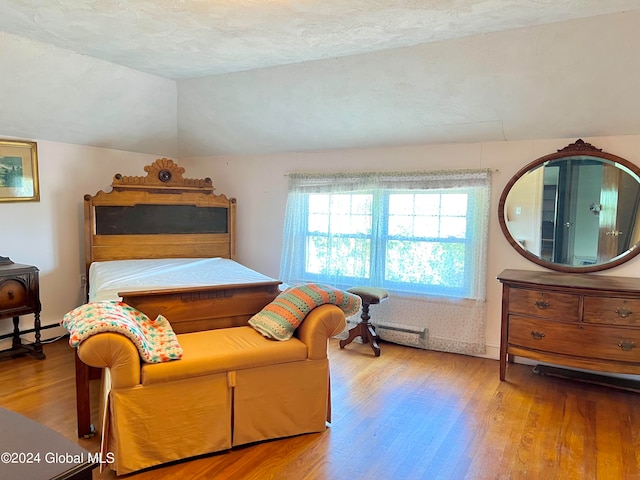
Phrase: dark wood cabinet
(20, 295)
(582, 321)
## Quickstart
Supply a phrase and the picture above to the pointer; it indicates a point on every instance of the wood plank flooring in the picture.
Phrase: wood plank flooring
(408, 414)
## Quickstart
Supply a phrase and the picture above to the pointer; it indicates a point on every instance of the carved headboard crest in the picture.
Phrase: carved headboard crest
(165, 174)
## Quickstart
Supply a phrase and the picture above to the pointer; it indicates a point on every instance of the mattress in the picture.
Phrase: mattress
(106, 279)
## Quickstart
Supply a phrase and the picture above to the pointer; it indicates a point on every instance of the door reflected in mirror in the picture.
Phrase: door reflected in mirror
(575, 210)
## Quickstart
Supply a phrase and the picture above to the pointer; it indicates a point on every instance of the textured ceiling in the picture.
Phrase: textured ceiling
(193, 38)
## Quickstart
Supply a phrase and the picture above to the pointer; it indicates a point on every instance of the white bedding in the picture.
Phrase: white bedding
(106, 279)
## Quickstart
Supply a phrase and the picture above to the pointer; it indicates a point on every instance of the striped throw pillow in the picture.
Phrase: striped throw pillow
(280, 318)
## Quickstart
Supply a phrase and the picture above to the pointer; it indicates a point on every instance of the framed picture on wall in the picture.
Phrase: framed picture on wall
(19, 171)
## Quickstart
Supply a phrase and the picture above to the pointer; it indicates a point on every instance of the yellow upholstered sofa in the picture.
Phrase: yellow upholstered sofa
(232, 386)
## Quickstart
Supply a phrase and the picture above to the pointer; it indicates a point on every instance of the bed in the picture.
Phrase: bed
(166, 244)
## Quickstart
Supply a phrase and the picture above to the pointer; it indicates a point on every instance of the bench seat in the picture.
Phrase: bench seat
(227, 349)
(231, 387)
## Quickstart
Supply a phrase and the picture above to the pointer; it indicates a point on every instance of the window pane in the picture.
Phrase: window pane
(350, 214)
(428, 204)
(317, 254)
(453, 227)
(427, 263)
(345, 248)
(427, 215)
(454, 204)
(340, 203)
(400, 203)
(427, 227)
(318, 203)
(350, 257)
(361, 224)
(401, 219)
(401, 225)
(361, 204)
(319, 223)
(338, 256)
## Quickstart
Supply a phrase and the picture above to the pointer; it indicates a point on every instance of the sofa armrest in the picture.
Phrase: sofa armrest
(320, 324)
(115, 352)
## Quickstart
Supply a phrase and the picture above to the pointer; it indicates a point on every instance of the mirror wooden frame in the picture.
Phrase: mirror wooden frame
(578, 148)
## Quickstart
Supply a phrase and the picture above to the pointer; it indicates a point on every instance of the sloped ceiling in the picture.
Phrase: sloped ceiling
(281, 75)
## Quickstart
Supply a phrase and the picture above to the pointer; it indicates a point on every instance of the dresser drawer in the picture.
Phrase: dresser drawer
(13, 295)
(612, 310)
(589, 341)
(539, 303)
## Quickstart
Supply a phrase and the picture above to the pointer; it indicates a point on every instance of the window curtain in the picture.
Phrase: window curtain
(451, 324)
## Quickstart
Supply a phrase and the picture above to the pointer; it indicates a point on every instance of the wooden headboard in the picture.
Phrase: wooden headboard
(160, 215)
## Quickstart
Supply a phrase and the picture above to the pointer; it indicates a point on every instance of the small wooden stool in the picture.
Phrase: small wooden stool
(364, 330)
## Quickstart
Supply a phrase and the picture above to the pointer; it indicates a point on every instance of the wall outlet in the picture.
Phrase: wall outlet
(83, 281)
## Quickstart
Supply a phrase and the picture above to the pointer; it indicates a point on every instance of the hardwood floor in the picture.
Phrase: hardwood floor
(408, 414)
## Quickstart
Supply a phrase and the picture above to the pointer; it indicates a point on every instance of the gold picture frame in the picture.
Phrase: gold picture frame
(19, 171)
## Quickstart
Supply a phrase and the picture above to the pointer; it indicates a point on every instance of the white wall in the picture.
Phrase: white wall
(259, 182)
(48, 233)
(54, 94)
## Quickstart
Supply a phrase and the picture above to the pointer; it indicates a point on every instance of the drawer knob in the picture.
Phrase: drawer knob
(10, 294)
(537, 335)
(627, 345)
(541, 304)
(623, 312)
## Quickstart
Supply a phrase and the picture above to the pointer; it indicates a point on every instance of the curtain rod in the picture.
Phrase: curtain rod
(395, 172)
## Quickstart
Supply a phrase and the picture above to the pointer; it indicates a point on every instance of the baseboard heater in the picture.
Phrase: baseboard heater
(410, 335)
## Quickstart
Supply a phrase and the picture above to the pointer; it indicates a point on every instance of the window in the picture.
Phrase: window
(339, 237)
(421, 234)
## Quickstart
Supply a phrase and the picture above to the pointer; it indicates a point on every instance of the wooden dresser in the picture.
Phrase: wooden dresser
(574, 320)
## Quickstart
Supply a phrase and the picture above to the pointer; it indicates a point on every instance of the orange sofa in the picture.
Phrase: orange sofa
(232, 387)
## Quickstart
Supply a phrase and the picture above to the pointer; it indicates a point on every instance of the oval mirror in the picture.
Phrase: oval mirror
(575, 210)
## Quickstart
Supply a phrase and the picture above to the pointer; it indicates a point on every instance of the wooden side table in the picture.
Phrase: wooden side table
(20, 295)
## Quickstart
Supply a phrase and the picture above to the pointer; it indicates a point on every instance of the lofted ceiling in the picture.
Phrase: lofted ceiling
(354, 61)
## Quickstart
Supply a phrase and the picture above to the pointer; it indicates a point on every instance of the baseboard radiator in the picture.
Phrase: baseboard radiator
(410, 335)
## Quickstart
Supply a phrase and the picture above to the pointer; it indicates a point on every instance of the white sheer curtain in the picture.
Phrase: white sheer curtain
(380, 229)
